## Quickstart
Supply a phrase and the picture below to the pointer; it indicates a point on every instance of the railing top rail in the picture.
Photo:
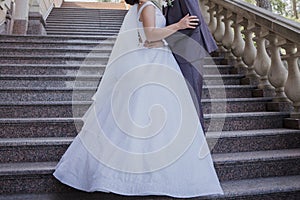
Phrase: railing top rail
(285, 28)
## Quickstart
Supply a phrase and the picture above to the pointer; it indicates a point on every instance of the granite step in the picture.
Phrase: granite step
(257, 164)
(275, 188)
(60, 32)
(70, 93)
(39, 127)
(229, 167)
(63, 109)
(84, 25)
(58, 59)
(55, 39)
(216, 122)
(61, 69)
(102, 31)
(81, 18)
(78, 108)
(99, 50)
(253, 140)
(84, 29)
(93, 21)
(52, 148)
(90, 80)
(71, 59)
(235, 105)
(104, 44)
(59, 127)
(51, 69)
(58, 22)
(47, 94)
(219, 69)
(222, 79)
(49, 59)
(87, 10)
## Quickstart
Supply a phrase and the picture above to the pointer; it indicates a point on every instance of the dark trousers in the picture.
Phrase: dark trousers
(193, 74)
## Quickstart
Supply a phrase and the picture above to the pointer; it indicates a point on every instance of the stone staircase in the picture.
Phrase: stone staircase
(46, 84)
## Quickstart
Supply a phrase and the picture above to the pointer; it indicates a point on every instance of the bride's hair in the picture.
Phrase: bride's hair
(132, 2)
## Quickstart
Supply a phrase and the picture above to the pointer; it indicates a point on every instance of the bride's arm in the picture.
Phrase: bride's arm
(155, 34)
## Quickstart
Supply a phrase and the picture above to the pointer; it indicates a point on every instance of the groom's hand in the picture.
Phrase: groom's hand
(155, 44)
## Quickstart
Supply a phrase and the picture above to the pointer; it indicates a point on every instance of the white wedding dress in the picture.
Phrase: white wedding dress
(142, 135)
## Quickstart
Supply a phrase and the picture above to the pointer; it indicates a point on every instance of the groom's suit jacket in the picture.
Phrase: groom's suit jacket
(186, 43)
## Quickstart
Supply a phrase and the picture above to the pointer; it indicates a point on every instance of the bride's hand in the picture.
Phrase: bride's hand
(155, 44)
(188, 22)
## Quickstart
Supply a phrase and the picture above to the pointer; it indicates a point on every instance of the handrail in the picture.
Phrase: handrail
(254, 38)
(273, 22)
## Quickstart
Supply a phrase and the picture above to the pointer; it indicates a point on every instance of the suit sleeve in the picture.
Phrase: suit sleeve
(186, 8)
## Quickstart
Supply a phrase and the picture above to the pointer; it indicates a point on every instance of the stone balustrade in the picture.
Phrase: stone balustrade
(260, 43)
(6, 8)
(23, 17)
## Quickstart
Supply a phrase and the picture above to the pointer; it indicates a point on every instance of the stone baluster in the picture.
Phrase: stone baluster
(249, 53)
(212, 25)
(204, 10)
(262, 61)
(278, 73)
(292, 86)
(228, 35)
(220, 30)
(238, 43)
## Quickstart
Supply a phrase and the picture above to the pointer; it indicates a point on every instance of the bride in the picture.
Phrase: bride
(142, 135)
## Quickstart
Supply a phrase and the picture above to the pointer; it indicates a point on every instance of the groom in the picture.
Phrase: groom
(190, 46)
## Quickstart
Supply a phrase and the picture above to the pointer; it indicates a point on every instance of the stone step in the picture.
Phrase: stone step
(78, 108)
(51, 69)
(81, 17)
(80, 33)
(59, 127)
(102, 31)
(92, 21)
(52, 148)
(70, 70)
(46, 94)
(275, 188)
(215, 122)
(83, 26)
(84, 29)
(253, 140)
(223, 79)
(62, 69)
(84, 10)
(85, 94)
(97, 51)
(39, 127)
(90, 80)
(257, 164)
(235, 105)
(220, 69)
(60, 45)
(59, 22)
(95, 5)
(57, 59)
(87, 12)
(232, 166)
(56, 39)
(61, 59)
